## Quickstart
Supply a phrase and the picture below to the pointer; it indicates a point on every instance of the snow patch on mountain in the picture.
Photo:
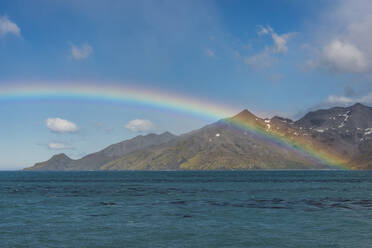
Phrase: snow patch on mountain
(368, 131)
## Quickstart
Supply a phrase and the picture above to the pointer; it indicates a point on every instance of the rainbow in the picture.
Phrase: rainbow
(166, 100)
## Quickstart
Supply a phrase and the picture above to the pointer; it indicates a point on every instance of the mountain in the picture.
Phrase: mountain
(348, 130)
(244, 141)
(57, 162)
(95, 160)
(217, 146)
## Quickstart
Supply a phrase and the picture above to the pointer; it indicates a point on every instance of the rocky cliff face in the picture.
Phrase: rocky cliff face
(229, 144)
(348, 130)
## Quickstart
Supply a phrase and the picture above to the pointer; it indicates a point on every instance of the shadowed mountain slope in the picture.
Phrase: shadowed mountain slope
(348, 130)
(95, 160)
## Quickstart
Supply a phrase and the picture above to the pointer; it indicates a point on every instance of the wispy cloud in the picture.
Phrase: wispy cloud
(264, 30)
(140, 125)
(82, 52)
(8, 27)
(280, 41)
(267, 57)
(60, 125)
(59, 146)
(344, 100)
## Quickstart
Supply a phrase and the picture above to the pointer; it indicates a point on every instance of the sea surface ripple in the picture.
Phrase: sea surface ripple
(265, 209)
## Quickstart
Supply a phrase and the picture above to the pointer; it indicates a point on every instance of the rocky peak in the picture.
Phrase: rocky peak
(359, 106)
(60, 157)
(244, 115)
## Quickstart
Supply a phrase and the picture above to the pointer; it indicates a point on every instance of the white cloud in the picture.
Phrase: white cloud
(8, 27)
(267, 57)
(345, 39)
(59, 146)
(344, 57)
(280, 41)
(60, 125)
(139, 125)
(343, 100)
(210, 53)
(81, 52)
(339, 100)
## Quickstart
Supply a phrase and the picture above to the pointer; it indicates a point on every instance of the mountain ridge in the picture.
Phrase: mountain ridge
(94, 160)
(341, 131)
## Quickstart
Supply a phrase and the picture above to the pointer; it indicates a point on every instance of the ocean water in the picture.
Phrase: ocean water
(296, 209)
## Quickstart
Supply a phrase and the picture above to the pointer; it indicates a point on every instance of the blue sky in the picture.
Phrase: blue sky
(271, 57)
